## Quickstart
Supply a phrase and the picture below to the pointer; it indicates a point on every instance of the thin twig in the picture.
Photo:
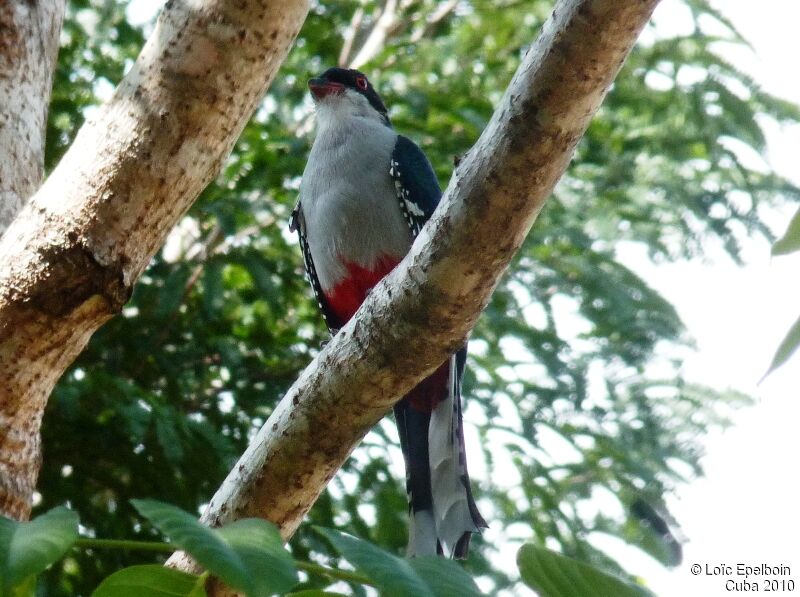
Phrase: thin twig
(160, 546)
(88, 543)
(344, 575)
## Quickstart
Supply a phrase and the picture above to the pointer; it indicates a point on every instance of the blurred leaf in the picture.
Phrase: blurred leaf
(150, 581)
(27, 548)
(26, 588)
(655, 536)
(171, 295)
(786, 349)
(247, 554)
(553, 575)
(394, 576)
(169, 439)
(258, 543)
(445, 577)
(790, 241)
(199, 541)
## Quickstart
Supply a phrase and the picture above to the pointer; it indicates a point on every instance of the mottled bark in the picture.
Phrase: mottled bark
(70, 258)
(426, 307)
(28, 48)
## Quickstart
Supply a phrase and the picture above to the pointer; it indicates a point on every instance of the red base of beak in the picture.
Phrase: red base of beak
(320, 89)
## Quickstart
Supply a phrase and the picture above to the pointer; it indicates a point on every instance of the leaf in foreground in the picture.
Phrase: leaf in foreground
(151, 580)
(787, 348)
(259, 545)
(247, 555)
(551, 574)
(210, 551)
(30, 547)
(419, 577)
(790, 241)
(445, 577)
(392, 575)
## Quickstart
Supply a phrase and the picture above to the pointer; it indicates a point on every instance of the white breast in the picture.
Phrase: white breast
(348, 199)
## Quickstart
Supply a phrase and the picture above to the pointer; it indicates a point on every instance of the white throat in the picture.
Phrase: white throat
(350, 104)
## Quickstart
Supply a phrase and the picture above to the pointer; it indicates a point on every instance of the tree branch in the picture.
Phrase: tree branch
(29, 34)
(69, 260)
(380, 31)
(349, 37)
(423, 311)
(442, 11)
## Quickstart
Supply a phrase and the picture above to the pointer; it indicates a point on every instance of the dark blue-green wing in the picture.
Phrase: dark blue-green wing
(415, 183)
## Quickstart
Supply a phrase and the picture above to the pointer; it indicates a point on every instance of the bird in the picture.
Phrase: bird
(365, 194)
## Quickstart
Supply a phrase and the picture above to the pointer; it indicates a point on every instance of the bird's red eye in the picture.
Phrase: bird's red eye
(361, 82)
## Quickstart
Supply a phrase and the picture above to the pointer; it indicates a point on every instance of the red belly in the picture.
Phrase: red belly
(346, 297)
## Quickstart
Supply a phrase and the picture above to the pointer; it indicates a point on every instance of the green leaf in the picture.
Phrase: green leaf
(213, 287)
(172, 294)
(259, 545)
(786, 349)
(26, 588)
(553, 575)
(445, 577)
(790, 241)
(151, 580)
(201, 542)
(166, 423)
(247, 555)
(651, 532)
(30, 547)
(393, 576)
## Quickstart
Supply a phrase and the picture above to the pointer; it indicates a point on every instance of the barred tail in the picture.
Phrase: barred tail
(442, 510)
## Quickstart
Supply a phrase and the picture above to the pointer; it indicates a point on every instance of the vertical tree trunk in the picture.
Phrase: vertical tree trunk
(29, 34)
(70, 258)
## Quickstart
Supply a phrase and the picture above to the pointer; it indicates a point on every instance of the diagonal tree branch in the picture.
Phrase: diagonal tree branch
(387, 22)
(28, 49)
(426, 307)
(442, 11)
(70, 258)
(350, 37)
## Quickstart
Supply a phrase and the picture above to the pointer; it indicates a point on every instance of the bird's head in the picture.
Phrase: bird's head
(342, 92)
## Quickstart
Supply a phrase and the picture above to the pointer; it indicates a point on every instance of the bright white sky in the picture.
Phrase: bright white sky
(747, 508)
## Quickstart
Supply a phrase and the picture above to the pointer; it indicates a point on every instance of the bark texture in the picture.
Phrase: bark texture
(426, 307)
(28, 48)
(69, 260)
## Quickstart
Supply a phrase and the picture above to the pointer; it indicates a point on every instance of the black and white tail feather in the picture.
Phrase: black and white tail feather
(441, 506)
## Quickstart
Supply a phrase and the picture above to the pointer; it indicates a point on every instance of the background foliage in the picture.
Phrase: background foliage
(579, 421)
